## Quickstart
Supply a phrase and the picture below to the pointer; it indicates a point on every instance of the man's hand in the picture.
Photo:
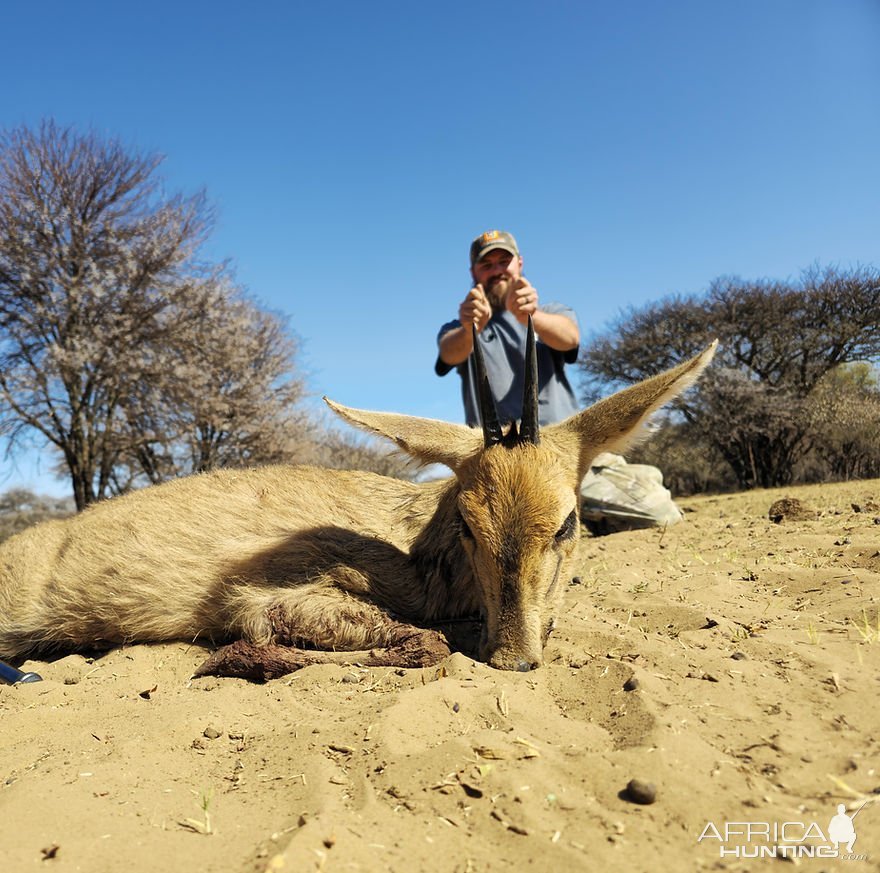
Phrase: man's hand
(475, 309)
(521, 300)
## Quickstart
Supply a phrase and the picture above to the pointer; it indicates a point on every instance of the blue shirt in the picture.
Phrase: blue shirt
(503, 341)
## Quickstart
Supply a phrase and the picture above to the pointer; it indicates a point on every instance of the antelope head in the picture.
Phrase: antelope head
(518, 493)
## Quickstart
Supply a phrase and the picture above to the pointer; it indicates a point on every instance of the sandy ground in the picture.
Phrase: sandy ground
(755, 647)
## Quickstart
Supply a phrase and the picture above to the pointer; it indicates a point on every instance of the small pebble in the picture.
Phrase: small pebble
(631, 684)
(739, 656)
(641, 792)
(211, 733)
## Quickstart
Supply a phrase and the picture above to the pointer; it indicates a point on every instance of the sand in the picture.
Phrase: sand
(730, 661)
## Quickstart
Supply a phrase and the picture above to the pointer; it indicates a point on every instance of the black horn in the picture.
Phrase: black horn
(528, 429)
(492, 435)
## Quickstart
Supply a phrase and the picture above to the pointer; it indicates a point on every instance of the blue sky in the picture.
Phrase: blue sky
(353, 150)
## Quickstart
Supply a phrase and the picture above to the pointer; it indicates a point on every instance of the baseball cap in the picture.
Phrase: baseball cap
(492, 239)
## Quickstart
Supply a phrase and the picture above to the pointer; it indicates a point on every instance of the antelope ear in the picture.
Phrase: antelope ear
(615, 422)
(427, 440)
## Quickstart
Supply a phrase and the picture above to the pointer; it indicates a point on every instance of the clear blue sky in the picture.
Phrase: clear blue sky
(354, 149)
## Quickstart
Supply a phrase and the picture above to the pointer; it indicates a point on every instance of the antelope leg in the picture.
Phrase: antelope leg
(411, 647)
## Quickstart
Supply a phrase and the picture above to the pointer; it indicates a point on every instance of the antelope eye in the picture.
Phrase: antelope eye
(566, 532)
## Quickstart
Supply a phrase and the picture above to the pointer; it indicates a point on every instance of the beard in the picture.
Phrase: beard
(496, 291)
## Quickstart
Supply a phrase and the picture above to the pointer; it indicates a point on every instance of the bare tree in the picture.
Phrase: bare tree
(844, 411)
(104, 304)
(761, 430)
(221, 394)
(777, 342)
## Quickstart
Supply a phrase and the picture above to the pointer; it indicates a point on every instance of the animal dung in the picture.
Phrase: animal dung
(790, 509)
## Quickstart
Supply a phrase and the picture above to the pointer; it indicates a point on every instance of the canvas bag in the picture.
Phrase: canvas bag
(616, 495)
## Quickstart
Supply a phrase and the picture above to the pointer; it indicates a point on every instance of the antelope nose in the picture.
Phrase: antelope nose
(514, 662)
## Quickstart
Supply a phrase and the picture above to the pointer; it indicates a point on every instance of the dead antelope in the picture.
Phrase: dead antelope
(330, 560)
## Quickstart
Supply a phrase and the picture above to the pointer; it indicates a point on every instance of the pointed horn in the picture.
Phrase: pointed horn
(528, 431)
(488, 414)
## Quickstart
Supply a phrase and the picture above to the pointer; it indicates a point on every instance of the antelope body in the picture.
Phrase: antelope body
(327, 559)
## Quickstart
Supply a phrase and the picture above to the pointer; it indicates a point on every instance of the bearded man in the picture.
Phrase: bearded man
(498, 305)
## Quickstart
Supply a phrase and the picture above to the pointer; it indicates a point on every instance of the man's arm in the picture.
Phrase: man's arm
(456, 345)
(556, 330)
(553, 328)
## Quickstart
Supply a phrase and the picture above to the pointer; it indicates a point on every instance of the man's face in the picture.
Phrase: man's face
(494, 271)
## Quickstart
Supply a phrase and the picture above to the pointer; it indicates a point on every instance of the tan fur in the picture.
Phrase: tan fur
(324, 558)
